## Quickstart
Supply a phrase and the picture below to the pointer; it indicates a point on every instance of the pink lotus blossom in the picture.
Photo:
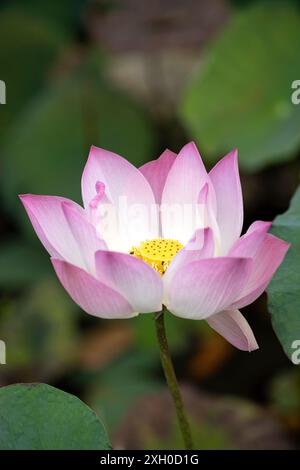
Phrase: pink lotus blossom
(192, 259)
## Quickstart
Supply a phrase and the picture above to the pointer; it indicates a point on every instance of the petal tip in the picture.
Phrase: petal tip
(94, 153)
(94, 148)
(255, 348)
(252, 345)
(232, 156)
(23, 197)
(27, 199)
(268, 224)
(191, 145)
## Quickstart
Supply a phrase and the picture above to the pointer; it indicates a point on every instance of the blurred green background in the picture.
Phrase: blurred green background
(136, 77)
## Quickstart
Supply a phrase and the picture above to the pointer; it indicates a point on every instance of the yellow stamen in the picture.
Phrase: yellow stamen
(158, 253)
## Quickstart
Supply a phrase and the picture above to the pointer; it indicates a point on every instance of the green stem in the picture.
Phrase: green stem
(172, 380)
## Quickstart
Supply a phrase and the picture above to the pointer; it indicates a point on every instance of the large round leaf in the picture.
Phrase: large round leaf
(241, 96)
(284, 290)
(41, 417)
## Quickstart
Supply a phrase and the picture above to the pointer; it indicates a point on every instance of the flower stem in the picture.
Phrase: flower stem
(172, 380)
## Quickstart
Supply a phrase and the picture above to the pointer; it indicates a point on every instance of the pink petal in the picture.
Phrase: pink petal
(104, 216)
(85, 236)
(156, 172)
(234, 327)
(200, 246)
(204, 287)
(48, 220)
(266, 260)
(227, 185)
(93, 296)
(260, 225)
(133, 278)
(209, 214)
(179, 211)
(248, 244)
(129, 192)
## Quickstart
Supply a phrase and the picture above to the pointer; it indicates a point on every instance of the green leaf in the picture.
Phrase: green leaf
(29, 49)
(41, 417)
(284, 289)
(241, 95)
(46, 150)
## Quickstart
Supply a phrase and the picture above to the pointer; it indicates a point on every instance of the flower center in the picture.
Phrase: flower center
(158, 253)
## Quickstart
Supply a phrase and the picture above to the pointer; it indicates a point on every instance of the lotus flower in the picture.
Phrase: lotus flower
(168, 233)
